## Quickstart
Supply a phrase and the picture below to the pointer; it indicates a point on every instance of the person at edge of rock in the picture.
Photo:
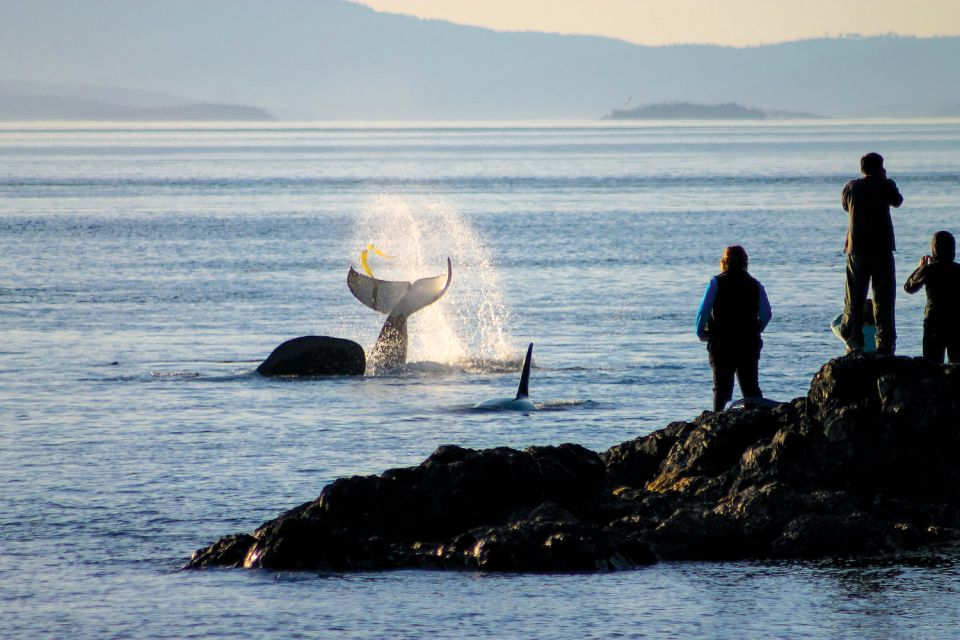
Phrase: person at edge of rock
(733, 313)
(869, 327)
(940, 274)
(869, 248)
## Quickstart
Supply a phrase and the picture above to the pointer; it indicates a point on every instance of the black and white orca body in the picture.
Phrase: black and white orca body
(521, 402)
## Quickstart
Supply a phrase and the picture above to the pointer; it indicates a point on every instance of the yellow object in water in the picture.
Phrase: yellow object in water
(363, 258)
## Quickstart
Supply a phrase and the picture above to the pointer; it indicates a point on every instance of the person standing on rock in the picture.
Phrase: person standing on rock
(940, 274)
(733, 313)
(869, 248)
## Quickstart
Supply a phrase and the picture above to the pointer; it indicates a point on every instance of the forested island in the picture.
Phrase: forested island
(19, 106)
(691, 111)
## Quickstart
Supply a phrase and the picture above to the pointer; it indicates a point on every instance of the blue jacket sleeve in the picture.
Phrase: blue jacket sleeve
(764, 312)
(706, 306)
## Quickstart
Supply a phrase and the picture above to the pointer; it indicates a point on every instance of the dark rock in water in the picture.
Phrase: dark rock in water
(753, 403)
(315, 356)
(866, 465)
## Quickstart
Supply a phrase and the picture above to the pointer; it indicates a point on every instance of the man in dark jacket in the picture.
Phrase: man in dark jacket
(941, 318)
(869, 247)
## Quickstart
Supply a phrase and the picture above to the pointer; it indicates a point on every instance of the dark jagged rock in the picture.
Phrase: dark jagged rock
(865, 465)
(315, 356)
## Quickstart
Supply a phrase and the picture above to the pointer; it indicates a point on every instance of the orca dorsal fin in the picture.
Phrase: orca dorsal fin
(523, 391)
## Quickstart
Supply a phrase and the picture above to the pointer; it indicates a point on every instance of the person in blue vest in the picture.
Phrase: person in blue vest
(869, 247)
(733, 313)
(940, 274)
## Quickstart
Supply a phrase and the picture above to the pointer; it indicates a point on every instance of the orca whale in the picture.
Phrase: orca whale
(399, 300)
(521, 402)
(315, 356)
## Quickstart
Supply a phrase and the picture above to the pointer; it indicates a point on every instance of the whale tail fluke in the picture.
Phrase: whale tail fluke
(423, 293)
(523, 391)
(399, 300)
(379, 295)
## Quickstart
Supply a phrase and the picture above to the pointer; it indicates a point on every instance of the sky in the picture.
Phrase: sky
(735, 23)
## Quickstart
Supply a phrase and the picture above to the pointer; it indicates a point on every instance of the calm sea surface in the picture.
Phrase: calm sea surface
(147, 271)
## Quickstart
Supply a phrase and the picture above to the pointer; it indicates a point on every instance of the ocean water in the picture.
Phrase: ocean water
(148, 270)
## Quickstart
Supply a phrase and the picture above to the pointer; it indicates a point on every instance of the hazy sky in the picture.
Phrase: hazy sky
(728, 22)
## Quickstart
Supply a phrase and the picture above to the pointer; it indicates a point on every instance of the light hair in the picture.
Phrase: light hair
(734, 259)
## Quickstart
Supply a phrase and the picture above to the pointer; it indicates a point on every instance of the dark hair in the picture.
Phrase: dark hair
(734, 259)
(871, 164)
(943, 246)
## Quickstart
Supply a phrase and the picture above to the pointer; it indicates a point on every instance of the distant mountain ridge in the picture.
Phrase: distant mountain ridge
(20, 106)
(689, 111)
(952, 111)
(331, 59)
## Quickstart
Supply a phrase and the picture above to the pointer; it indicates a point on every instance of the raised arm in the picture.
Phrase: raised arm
(917, 279)
(895, 198)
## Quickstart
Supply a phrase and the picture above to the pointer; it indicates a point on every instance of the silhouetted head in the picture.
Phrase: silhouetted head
(869, 317)
(871, 164)
(734, 259)
(943, 247)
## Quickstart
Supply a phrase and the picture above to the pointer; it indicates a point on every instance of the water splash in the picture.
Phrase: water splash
(468, 327)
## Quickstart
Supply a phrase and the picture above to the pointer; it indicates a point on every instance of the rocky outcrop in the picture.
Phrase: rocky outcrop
(315, 356)
(865, 464)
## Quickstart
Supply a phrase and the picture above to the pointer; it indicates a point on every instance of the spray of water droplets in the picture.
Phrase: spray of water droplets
(469, 325)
